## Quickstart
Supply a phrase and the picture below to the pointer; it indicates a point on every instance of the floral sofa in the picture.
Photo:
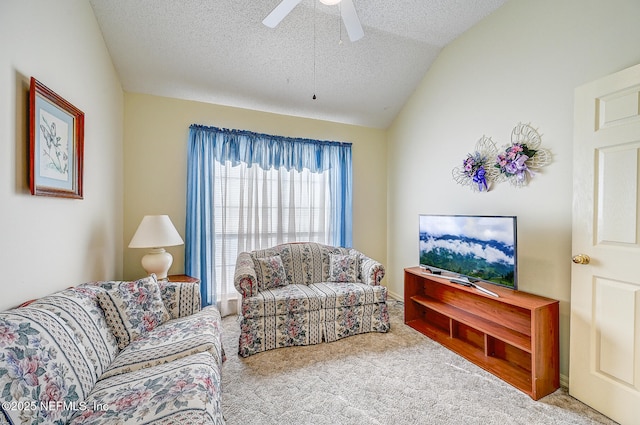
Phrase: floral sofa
(306, 293)
(112, 353)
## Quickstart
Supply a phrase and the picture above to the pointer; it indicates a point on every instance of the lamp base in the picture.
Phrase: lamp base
(157, 261)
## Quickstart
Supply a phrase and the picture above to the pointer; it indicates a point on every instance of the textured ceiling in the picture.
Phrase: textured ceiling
(218, 51)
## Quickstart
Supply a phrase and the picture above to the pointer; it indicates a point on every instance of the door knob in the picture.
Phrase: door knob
(581, 259)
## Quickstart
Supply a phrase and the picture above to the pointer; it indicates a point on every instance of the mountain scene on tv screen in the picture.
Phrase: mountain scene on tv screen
(489, 260)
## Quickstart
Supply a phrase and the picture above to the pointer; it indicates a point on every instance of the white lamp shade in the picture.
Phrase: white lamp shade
(155, 231)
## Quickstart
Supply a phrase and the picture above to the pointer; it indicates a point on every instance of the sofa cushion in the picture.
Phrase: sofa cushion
(80, 309)
(287, 299)
(42, 363)
(173, 340)
(133, 308)
(347, 294)
(270, 272)
(303, 262)
(185, 391)
(255, 255)
(343, 268)
(181, 299)
(328, 251)
(308, 262)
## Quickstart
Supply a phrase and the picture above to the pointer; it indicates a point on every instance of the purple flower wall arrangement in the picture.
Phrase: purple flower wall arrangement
(523, 157)
(517, 163)
(477, 170)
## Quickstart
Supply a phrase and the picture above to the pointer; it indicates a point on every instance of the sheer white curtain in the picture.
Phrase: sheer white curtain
(256, 208)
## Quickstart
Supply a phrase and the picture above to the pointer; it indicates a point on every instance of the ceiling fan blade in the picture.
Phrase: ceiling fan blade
(273, 19)
(351, 21)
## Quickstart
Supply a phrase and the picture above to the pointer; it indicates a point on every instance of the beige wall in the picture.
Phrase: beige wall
(156, 132)
(519, 65)
(51, 243)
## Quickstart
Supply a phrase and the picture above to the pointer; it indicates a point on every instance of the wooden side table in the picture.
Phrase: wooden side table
(182, 278)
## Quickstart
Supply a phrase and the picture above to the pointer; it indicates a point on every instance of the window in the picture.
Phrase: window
(248, 191)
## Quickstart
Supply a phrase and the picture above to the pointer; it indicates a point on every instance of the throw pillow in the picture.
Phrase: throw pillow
(272, 271)
(133, 308)
(343, 268)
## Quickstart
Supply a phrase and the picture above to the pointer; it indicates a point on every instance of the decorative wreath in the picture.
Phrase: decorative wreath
(522, 157)
(477, 169)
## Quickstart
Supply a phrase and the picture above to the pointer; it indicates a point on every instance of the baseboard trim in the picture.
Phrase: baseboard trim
(395, 296)
(564, 382)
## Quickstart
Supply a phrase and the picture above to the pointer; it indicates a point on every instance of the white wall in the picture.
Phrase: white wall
(519, 65)
(51, 243)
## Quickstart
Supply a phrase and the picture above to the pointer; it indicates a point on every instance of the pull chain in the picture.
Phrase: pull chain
(340, 23)
(314, 48)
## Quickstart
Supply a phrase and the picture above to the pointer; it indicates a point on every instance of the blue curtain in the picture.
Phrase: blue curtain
(210, 145)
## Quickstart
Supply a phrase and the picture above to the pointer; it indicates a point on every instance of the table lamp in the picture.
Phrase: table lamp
(156, 232)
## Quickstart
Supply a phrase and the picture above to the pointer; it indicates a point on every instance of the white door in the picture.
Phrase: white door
(605, 293)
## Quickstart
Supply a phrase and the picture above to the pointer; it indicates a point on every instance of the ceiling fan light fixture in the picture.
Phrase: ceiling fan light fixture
(347, 11)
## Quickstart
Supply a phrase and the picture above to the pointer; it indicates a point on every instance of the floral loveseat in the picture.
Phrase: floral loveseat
(304, 293)
(112, 353)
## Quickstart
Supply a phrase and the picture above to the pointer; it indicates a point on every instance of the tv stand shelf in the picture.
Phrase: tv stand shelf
(514, 336)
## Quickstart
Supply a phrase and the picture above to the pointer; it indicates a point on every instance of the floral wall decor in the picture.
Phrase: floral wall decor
(517, 163)
(478, 170)
(523, 157)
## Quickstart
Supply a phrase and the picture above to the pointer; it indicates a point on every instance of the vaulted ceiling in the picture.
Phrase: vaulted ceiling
(218, 51)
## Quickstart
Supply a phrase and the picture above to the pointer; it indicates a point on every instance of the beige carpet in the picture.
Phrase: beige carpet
(401, 377)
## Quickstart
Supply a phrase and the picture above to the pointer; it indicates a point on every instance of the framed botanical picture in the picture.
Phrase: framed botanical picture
(56, 139)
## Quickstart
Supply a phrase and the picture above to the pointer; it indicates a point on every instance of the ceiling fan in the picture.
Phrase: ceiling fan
(347, 11)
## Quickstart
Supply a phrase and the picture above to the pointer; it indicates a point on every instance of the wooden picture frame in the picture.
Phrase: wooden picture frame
(56, 144)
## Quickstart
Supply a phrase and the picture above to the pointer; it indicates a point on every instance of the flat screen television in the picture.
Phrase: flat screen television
(471, 247)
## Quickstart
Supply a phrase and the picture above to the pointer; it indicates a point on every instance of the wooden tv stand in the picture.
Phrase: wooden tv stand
(515, 336)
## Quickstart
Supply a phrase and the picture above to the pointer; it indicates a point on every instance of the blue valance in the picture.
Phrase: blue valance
(269, 151)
